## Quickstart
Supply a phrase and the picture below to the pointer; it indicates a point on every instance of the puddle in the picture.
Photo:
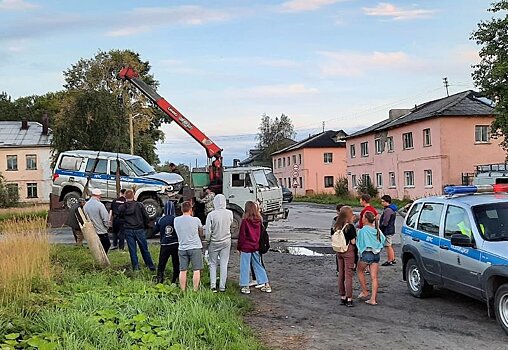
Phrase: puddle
(305, 251)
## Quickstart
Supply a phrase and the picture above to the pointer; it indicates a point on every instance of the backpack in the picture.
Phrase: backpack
(264, 241)
(339, 241)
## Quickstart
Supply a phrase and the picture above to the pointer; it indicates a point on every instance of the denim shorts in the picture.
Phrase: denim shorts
(192, 256)
(369, 257)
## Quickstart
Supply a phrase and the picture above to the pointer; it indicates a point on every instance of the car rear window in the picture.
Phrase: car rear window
(70, 163)
(492, 221)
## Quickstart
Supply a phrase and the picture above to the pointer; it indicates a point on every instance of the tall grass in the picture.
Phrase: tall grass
(26, 212)
(24, 258)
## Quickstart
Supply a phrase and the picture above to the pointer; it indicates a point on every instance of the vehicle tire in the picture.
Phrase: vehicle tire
(153, 207)
(416, 283)
(71, 198)
(235, 226)
(501, 306)
(290, 199)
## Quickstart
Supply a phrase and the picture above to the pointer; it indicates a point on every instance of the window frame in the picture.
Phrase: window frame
(328, 158)
(379, 180)
(327, 177)
(407, 138)
(390, 146)
(31, 156)
(279, 162)
(426, 173)
(11, 157)
(406, 185)
(364, 146)
(354, 181)
(488, 136)
(30, 188)
(377, 146)
(366, 176)
(352, 151)
(294, 158)
(390, 184)
(427, 134)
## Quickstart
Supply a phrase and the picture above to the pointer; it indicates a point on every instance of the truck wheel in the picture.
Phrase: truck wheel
(153, 207)
(416, 283)
(70, 199)
(501, 306)
(235, 226)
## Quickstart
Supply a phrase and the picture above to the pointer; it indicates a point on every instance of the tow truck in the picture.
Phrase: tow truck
(238, 184)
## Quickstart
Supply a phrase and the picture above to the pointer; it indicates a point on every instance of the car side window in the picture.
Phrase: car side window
(457, 222)
(237, 180)
(101, 168)
(430, 218)
(413, 215)
(70, 163)
(123, 168)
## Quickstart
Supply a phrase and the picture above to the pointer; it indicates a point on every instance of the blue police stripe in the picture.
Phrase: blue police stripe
(477, 254)
(135, 180)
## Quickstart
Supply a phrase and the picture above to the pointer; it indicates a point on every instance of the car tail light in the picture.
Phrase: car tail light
(55, 176)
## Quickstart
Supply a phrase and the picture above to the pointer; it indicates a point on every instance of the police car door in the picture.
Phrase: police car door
(99, 176)
(460, 267)
(427, 234)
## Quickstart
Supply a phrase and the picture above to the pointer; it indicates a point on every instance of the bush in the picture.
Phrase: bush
(9, 196)
(341, 189)
(365, 186)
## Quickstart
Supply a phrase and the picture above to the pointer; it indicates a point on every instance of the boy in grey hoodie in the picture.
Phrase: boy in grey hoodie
(218, 235)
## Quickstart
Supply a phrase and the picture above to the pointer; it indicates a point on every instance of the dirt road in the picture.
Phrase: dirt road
(303, 312)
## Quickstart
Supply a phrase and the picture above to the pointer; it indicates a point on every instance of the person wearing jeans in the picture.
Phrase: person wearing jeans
(135, 222)
(218, 234)
(248, 246)
(169, 243)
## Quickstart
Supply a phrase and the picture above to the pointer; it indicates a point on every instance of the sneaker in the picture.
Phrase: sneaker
(214, 290)
(349, 303)
(258, 286)
(222, 290)
(245, 290)
(387, 263)
(394, 262)
(266, 288)
(253, 283)
(113, 247)
(343, 301)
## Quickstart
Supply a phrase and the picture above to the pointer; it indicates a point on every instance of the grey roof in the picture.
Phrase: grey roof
(11, 135)
(330, 138)
(466, 103)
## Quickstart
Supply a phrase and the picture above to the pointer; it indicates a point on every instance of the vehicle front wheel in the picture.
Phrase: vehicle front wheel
(153, 207)
(71, 198)
(416, 283)
(501, 306)
(235, 226)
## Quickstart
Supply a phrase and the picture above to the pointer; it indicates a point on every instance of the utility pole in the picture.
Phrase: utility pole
(323, 126)
(445, 82)
(131, 132)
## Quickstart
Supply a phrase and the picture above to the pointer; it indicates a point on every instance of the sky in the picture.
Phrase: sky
(224, 64)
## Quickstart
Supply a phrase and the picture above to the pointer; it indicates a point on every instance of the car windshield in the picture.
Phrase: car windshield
(492, 221)
(260, 178)
(272, 180)
(140, 166)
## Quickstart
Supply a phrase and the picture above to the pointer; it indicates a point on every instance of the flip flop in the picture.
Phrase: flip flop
(361, 296)
(370, 303)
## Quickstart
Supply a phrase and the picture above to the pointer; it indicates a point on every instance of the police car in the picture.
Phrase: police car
(460, 242)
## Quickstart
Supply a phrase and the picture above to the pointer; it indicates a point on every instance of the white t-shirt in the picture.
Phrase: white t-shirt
(187, 229)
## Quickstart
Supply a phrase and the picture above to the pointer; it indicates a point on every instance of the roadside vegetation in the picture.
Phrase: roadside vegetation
(25, 212)
(54, 297)
(353, 201)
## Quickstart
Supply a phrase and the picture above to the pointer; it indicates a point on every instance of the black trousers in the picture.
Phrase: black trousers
(105, 242)
(165, 252)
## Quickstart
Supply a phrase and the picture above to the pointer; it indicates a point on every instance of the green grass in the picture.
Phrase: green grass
(351, 201)
(13, 215)
(115, 308)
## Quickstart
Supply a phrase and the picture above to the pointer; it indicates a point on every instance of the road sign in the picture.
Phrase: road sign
(295, 174)
(296, 167)
(295, 182)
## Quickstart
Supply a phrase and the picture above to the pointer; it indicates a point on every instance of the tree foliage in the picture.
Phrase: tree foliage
(274, 134)
(491, 74)
(9, 197)
(182, 168)
(30, 107)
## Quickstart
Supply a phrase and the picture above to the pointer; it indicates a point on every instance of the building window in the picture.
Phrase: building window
(284, 162)
(427, 141)
(353, 181)
(364, 149)
(366, 179)
(409, 179)
(482, 133)
(280, 181)
(12, 163)
(379, 180)
(289, 161)
(377, 146)
(301, 182)
(285, 182)
(428, 178)
(279, 163)
(352, 151)
(328, 158)
(299, 159)
(294, 158)
(407, 140)
(328, 181)
(274, 164)
(12, 190)
(289, 182)
(31, 190)
(389, 143)
(391, 175)
(31, 162)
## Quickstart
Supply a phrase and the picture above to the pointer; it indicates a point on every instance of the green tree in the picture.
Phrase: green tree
(8, 109)
(491, 74)
(99, 74)
(182, 168)
(33, 107)
(274, 134)
(9, 196)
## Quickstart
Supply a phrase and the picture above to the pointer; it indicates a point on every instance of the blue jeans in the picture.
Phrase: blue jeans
(259, 270)
(138, 236)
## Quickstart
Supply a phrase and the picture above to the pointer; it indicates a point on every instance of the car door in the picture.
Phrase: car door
(427, 238)
(98, 177)
(460, 266)
(124, 177)
(240, 189)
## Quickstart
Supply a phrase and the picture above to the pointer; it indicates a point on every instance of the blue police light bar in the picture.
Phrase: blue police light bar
(452, 190)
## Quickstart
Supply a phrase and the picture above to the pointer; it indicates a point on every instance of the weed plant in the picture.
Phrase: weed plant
(27, 212)
(326, 198)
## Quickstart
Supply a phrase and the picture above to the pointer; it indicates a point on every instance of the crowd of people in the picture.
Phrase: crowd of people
(181, 237)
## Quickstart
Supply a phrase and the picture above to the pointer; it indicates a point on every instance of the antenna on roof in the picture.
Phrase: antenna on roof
(445, 82)
(323, 126)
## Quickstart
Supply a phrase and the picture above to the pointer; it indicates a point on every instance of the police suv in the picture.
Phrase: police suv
(460, 242)
(75, 170)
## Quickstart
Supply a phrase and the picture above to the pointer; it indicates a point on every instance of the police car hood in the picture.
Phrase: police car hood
(168, 178)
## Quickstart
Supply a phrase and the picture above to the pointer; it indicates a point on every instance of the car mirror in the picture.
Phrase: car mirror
(461, 240)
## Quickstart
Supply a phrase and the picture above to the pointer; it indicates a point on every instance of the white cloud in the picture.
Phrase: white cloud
(16, 5)
(259, 61)
(305, 5)
(349, 64)
(127, 31)
(387, 10)
(278, 90)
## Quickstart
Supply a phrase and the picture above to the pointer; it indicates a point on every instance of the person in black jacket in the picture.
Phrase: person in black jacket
(117, 227)
(135, 222)
(73, 221)
(169, 243)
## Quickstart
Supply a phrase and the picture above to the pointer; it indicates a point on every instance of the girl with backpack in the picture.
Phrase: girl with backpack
(370, 242)
(248, 246)
(346, 259)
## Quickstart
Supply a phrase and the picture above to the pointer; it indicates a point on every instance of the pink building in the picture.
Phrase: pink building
(416, 152)
(312, 165)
